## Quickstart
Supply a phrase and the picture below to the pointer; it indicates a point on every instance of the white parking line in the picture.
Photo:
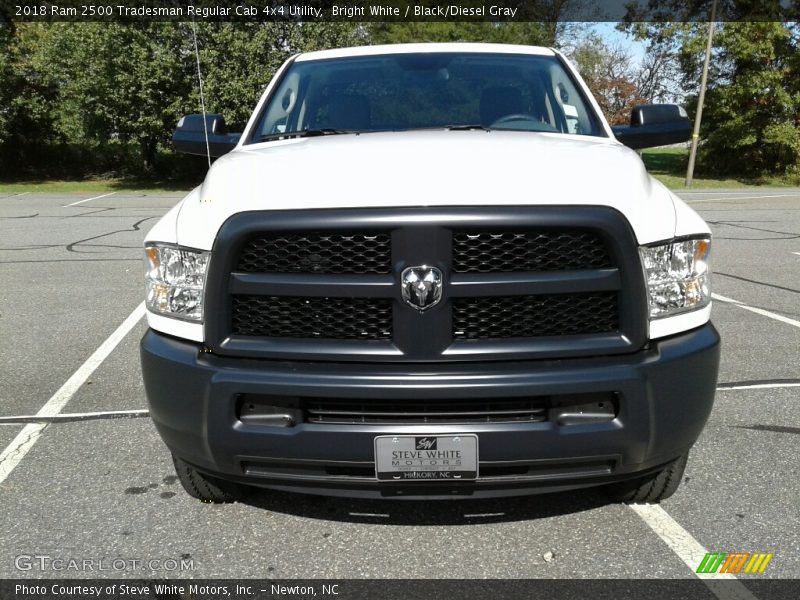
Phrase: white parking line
(690, 551)
(758, 311)
(26, 438)
(87, 199)
(758, 386)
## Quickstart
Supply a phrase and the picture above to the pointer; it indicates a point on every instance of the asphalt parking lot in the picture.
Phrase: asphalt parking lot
(104, 488)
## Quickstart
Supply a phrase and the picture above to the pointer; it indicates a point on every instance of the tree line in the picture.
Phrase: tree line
(81, 99)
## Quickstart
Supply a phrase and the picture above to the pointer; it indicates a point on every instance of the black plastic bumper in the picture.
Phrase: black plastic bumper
(665, 396)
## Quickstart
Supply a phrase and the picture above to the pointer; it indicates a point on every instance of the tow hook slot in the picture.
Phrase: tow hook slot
(568, 411)
(272, 411)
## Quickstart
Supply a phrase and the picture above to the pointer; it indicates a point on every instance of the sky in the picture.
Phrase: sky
(612, 37)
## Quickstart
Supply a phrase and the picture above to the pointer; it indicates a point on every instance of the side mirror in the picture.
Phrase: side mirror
(655, 125)
(190, 138)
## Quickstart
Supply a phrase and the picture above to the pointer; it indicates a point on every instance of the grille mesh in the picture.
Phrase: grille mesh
(324, 253)
(534, 316)
(312, 252)
(509, 410)
(543, 250)
(329, 318)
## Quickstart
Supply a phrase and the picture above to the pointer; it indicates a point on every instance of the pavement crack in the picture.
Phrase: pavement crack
(91, 212)
(22, 216)
(31, 247)
(135, 227)
(772, 285)
(770, 428)
(56, 260)
(789, 235)
(21, 447)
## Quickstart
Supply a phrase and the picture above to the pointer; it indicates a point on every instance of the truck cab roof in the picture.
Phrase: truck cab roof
(427, 47)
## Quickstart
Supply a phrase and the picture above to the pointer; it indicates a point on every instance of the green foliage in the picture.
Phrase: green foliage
(751, 116)
(6, 76)
(25, 98)
(81, 98)
(116, 84)
(751, 123)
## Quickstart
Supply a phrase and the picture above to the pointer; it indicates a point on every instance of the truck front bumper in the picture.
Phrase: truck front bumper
(664, 395)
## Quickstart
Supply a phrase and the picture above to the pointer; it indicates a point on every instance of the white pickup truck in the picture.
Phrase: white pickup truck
(429, 271)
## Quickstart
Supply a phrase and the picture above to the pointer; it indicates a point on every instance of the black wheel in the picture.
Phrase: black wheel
(652, 488)
(203, 487)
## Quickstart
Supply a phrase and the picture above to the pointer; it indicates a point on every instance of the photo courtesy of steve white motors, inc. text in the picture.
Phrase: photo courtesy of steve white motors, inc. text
(171, 589)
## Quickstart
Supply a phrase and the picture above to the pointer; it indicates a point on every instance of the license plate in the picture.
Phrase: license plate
(426, 457)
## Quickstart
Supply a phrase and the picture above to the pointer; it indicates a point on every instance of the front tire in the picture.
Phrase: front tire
(653, 488)
(203, 487)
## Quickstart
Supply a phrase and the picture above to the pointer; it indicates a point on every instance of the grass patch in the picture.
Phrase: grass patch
(90, 186)
(668, 165)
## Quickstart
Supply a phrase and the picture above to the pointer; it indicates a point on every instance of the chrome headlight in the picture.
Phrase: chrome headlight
(677, 274)
(175, 278)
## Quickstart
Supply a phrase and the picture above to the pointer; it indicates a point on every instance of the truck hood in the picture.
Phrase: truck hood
(427, 168)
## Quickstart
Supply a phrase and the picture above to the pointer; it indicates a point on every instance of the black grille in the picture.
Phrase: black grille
(519, 283)
(533, 316)
(330, 318)
(324, 253)
(542, 250)
(432, 411)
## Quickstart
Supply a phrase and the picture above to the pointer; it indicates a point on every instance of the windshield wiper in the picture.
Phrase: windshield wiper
(304, 133)
(468, 127)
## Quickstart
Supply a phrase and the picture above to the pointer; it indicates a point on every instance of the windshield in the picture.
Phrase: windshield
(399, 92)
